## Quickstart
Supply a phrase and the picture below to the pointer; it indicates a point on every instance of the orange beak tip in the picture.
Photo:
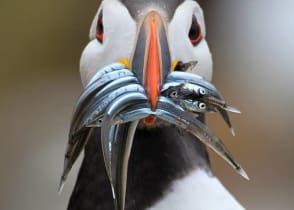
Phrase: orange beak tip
(150, 120)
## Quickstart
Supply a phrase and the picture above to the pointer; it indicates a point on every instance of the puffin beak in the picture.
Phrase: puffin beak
(151, 61)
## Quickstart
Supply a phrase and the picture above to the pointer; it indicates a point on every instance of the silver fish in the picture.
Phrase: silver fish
(99, 106)
(116, 101)
(94, 87)
(185, 66)
(176, 116)
(184, 90)
(113, 109)
(189, 83)
(107, 69)
(120, 157)
(121, 148)
(78, 135)
(73, 150)
(196, 106)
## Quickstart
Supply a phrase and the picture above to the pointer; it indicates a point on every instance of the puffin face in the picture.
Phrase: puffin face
(112, 36)
(123, 29)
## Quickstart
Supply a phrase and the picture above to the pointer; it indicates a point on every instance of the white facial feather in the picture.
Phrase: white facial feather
(180, 45)
(119, 38)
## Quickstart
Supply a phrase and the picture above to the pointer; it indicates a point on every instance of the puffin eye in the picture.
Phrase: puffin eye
(100, 28)
(195, 33)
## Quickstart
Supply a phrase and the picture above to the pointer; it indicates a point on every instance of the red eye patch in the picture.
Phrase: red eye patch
(195, 33)
(100, 28)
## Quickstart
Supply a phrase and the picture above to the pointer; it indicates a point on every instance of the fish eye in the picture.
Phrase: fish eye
(202, 106)
(174, 94)
(202, 91)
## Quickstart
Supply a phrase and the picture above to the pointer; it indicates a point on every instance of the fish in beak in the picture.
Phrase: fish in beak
(116, 99)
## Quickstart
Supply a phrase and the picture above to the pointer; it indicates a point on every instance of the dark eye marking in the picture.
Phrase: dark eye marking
(195, 33)
(100, 28)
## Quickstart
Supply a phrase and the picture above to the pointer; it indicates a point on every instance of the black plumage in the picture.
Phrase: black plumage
(159, 156)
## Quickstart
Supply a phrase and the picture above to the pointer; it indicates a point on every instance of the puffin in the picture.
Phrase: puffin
(168, 167)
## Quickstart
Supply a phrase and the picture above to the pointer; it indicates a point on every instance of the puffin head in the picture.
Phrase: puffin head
(153, 35)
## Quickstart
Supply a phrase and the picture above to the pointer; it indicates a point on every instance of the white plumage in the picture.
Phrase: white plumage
(200, 191)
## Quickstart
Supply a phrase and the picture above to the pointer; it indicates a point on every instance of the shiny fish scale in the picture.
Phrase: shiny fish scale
(82, 115)
(114, 108)
(104, 102)
(127, 80)
(87, 98)
(107, 69)
(101, 82)
(112, 144)
(178, 76)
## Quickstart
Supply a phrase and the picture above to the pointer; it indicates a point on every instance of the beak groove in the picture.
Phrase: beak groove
(151, 60)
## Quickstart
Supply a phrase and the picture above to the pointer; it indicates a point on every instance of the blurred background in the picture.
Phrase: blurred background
(41, 42)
